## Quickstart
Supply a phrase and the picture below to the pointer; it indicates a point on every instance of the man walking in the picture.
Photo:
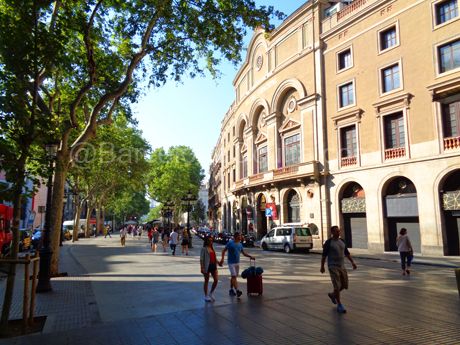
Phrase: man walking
(234, 248)
(335, 250)
(173, 238)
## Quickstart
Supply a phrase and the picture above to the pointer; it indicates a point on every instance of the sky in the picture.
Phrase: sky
(190, 113)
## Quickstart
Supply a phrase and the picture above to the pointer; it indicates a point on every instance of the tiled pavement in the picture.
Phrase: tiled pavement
(383, 307)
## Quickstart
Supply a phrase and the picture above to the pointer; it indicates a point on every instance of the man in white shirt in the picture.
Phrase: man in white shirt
(173, 239)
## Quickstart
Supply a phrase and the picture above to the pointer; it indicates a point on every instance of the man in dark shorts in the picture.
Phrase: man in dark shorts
(335, 250)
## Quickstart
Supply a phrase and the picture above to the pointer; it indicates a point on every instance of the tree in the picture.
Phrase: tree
(111, 172)
(154, 213)
(173, 174)
(199, 212)
(24, 125)
(102, 50)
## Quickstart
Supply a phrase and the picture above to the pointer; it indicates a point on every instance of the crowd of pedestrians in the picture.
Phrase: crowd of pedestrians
(334, 253)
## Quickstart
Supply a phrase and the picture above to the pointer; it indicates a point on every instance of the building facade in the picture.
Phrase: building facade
(357, 108)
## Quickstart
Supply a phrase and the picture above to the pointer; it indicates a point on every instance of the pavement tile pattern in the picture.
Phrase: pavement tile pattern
(383, 307)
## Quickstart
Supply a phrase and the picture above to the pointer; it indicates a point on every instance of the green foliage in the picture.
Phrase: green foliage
(154, 213)
(112, 169)
(199, 212)
(173, 174)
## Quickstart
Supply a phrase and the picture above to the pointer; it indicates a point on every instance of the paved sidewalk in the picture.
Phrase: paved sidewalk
(163, 302)
(444, 261)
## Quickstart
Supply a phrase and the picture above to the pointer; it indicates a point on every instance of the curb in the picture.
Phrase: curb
(415, 262)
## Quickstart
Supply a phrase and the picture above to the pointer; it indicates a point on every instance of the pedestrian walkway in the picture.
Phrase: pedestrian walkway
(383, 307)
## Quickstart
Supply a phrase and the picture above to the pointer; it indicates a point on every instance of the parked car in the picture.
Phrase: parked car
(25, 239)
(288, 237)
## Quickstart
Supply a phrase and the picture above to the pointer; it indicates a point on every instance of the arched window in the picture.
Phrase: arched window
(293, 204)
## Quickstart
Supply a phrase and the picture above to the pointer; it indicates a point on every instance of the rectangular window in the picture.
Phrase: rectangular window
(263, 159)
(348, 144)
(234, 151)
(228, 155)
(245, 167)
(228, 137)
(346, 95)
(451, 119)
(292, 150)
(394, 131)
(446, 11)
(233, 130)
(228, 179)
(388, 38)
(449, 56)
(234, 175)
(344, 59)
(451, 125)
(390, 78)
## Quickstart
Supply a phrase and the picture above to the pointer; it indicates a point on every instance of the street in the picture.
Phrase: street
(140, 297)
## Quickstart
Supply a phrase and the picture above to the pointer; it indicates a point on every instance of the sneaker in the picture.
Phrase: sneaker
(408, 272)
(341, 309)
(232, 292)
(207, 299)
(238, 293)
(332, 297)
(211, 296)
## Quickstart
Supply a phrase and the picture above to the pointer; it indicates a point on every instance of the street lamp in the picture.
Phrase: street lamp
(188, 201)
(44, 284)
(168, 207)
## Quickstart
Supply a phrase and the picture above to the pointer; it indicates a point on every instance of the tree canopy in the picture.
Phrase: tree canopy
(173, 174)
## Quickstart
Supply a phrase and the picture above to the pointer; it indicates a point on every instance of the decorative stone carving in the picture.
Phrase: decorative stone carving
(354, 205)
(292, 105)
(451, 201)
(259, 62)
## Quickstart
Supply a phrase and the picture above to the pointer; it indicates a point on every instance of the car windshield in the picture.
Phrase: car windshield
(302, 232)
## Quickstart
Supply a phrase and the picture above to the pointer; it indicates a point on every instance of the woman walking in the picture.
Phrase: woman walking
(208, 263)
(155, 239)
(185, 242)
(405, 251)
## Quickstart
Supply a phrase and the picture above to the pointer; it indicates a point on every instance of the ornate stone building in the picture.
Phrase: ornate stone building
(349, 113)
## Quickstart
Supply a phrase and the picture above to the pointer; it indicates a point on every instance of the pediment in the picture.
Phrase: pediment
(288, 125)
(260, 138)
(244, 148)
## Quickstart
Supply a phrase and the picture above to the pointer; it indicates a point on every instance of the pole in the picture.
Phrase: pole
(61, 236)
(44, 284)
(188, 227)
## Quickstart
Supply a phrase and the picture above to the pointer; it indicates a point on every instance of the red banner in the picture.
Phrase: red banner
(272, 207)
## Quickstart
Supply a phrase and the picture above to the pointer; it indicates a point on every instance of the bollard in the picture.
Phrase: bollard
(457, 275)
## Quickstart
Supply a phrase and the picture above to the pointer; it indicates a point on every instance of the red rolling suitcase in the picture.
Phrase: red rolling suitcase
(254, 283)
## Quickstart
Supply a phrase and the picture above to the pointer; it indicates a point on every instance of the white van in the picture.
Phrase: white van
(288, 237)
(68, 226)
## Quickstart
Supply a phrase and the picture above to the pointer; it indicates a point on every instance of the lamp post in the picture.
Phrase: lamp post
(44, 284)
(168, 207)
(188, 201)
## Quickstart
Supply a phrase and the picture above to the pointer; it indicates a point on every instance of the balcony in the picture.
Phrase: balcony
(255, 178)
(346, 11)
(286, 171)
(452, 143)
(355, 5)
(348, 161)
(307, 169)
(394, 153)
